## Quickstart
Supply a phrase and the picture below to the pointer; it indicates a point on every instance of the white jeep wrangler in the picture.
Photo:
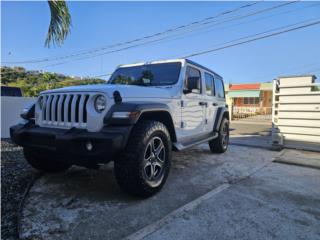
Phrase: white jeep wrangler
(136, 119)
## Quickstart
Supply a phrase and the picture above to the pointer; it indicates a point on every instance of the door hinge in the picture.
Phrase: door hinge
(206, 121)
(182, 103)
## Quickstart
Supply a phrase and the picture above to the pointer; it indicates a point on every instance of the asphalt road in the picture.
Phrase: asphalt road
(261, 128)
(278, 202)
(248, 133)
(241, 194)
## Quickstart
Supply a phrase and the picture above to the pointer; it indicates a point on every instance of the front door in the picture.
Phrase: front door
(192, 105)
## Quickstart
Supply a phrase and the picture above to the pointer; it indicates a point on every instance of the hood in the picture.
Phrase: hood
(126, 91)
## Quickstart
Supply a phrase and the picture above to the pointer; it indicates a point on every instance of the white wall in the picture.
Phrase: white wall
(11, 108)
(296, 113)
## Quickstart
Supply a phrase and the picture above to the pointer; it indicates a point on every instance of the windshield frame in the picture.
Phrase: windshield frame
(180, 65)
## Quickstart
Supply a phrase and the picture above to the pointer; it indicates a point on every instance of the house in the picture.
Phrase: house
(249, 99)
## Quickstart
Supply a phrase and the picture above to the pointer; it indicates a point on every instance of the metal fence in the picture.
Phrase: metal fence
(251, 112)
(296, 113)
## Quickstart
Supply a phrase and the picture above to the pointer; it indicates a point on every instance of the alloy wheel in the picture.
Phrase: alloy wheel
(154, 160)
(225, 135)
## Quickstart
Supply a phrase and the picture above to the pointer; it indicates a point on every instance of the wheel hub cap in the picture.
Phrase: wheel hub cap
(154, 159)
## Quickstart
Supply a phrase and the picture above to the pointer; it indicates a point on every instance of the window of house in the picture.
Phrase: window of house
(251, 101)
(193, 80)
(209, 84)
(219, 88)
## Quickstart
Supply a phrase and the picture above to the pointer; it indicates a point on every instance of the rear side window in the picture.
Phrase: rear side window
(209, 84)
(219, 88)
(193, 80)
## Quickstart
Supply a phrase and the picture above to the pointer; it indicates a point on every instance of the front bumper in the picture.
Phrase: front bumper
(72, 142)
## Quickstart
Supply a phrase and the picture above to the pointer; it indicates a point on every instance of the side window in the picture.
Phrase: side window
(192, 81)
(219, 88)
(209, 84)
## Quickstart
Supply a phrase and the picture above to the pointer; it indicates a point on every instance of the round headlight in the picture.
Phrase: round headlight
(100, 103)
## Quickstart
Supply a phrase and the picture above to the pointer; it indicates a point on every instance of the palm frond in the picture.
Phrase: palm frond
(60, 23)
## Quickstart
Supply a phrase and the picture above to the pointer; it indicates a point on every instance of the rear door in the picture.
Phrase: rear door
(192, 105)
(219, 92)
(212, 102)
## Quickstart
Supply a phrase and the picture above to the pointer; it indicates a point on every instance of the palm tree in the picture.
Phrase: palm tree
(60, 23)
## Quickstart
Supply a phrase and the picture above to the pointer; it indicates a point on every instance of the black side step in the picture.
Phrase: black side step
(179, 146)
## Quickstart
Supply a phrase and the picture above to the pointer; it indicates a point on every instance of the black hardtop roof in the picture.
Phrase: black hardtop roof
(201, 66)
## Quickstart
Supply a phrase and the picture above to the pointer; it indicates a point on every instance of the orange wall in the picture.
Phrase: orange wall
(266, 100)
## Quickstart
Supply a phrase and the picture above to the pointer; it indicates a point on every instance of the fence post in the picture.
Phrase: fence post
(277, 139)
(231, 111)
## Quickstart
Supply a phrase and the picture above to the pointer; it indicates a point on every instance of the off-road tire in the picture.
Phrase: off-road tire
(130, 168)
(44, 161)
(218, 145)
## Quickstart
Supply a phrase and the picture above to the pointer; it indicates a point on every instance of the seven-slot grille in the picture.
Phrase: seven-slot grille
(65, 109)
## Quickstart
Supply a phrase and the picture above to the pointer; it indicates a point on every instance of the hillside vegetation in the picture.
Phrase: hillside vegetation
(33, 82)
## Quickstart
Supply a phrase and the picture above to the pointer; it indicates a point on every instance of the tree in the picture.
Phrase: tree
(60, 23)
(33, 82)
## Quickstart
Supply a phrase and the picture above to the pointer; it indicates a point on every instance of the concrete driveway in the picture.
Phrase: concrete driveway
(240, 194)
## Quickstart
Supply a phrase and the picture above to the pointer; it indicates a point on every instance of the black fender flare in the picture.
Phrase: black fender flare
(134, 107)
(220, 113)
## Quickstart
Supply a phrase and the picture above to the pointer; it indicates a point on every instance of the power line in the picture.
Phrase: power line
(210, 24)
(252, 40)
(203, 22)
(158, 40)
(255, 39)
(188, 55)
(255, 20)
(170, 30)
(256, 34)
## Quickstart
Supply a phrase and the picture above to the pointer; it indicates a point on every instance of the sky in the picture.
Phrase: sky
(98, 24)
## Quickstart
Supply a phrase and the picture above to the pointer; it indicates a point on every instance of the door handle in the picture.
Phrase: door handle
(214, 104)
(203, 104)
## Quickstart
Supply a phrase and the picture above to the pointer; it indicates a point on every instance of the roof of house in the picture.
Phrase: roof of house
(266, 86)
(250, 86)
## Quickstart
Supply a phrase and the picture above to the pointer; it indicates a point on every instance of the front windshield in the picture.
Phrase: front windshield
(160, 74)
